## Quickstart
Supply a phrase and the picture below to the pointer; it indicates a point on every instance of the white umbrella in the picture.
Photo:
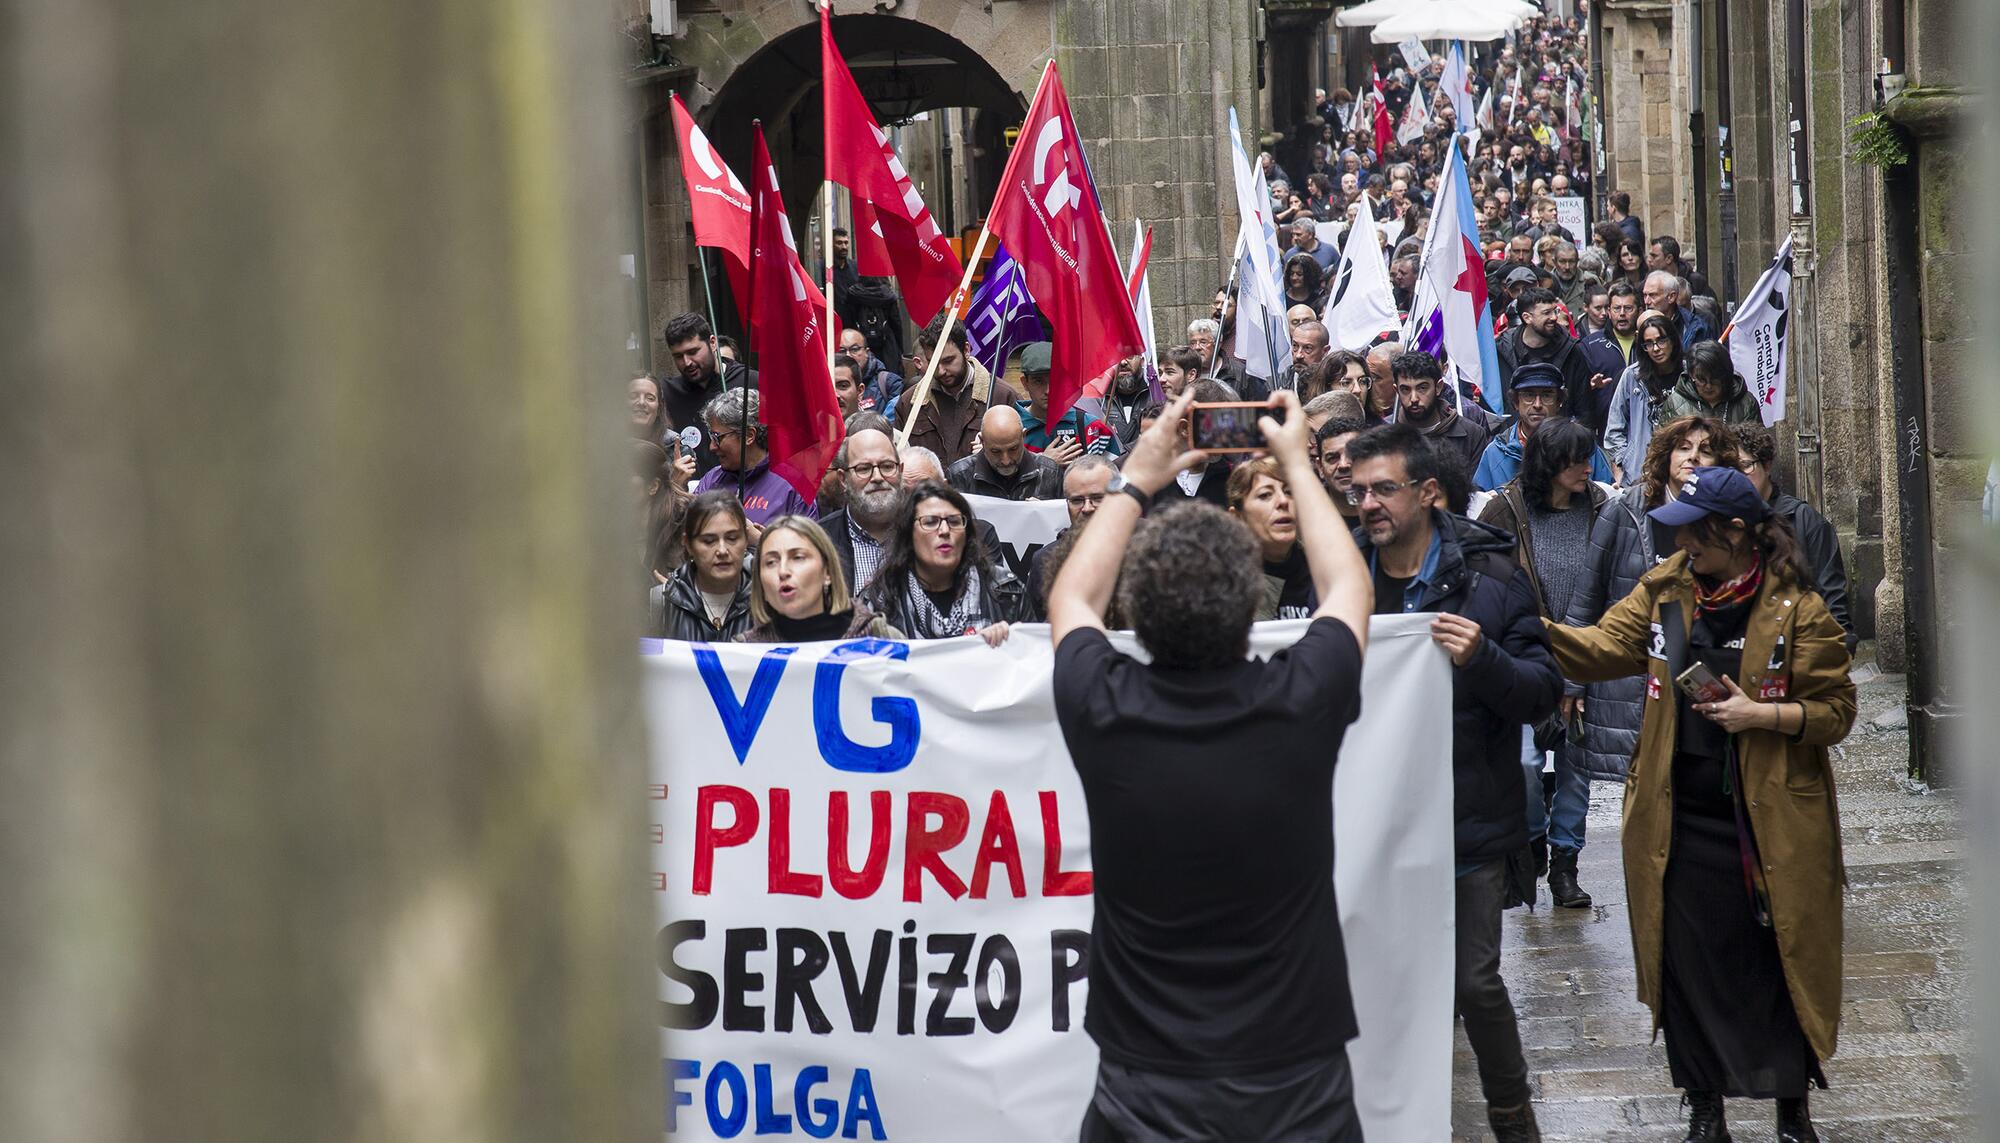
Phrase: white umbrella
(1375, 11)
(1476, 20)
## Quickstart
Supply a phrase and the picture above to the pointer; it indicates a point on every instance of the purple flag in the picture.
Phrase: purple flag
(1002, 315)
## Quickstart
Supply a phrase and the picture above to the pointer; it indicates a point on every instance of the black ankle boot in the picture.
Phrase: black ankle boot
(1705, 1121)
(1795, 1122)
(1514, 1124)
(1562, 880)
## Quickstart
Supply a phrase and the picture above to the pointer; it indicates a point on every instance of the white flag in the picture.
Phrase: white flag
(1140, 286)
(1759, 337)
(1260, 305)
(1362, 302)
(1416, 55)
(1416, 117)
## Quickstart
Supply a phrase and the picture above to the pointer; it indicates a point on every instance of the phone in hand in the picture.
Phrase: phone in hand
(1229, 426)
(1700, 684)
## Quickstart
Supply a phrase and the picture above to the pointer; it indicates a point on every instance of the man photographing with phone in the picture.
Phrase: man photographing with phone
(1219, 997)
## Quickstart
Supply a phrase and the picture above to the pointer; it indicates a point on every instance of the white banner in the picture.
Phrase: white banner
(1756, 336)
(1570, 216)
(1024, 527)
(1416, 55)
(871, 867)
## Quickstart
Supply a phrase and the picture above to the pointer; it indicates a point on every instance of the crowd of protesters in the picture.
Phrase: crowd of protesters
(1616, 525)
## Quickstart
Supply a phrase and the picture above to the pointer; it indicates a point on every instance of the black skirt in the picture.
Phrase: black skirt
(1727, 1015)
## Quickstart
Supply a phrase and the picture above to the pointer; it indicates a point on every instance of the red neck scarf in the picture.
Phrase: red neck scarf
(1740, 590)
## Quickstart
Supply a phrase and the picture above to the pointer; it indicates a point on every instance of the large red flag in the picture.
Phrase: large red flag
(796, 403)
(862, 157)
(871, 253)
(1047, 216)
(720, 205)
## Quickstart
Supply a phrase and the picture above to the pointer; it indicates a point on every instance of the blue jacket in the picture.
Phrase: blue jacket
(1621, 551)
(1693, 329)
(1510, 681)
(1501, 462)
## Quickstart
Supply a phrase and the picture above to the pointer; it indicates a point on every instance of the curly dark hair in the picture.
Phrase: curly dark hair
(1555, 444)
(1668, 437)
(1774, 540)
(1191, 582)
(900, 558)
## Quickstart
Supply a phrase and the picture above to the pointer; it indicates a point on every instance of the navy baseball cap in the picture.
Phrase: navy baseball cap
(1536, 375)
(1722, 492)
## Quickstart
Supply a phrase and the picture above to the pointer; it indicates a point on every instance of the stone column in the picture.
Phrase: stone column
(323, 785)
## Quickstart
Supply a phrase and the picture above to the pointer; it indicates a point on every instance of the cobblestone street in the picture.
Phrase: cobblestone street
(1898, 1077)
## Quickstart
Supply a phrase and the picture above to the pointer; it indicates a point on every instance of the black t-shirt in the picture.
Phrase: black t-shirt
(1215, 944)
(1296, 598)
(1389, 590)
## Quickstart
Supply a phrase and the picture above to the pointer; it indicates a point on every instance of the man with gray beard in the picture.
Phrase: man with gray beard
(874, 477)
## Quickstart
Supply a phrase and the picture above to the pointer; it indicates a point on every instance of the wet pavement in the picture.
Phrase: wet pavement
(1900, 1075)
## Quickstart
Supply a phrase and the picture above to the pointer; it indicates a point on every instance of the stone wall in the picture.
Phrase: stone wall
(1646, 95)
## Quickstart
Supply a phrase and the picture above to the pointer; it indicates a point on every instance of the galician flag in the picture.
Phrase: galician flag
(1141, 290)
(1450, 316)
(1457, 84)
(1260, 307)
(1757, 338)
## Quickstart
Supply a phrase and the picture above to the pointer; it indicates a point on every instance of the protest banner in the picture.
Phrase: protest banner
(872, 877)
(1024, 527)
(1571, 217)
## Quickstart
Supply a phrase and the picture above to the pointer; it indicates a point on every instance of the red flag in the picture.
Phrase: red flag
(720, 205)
(1384, 132)
(871, 253)
(1047, 215)
(796, 403)
(861, 157)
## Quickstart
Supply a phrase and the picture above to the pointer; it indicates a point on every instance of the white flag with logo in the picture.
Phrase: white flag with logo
(1362, 302)
(1416, 116)
(1260, 306)
(1759, 336)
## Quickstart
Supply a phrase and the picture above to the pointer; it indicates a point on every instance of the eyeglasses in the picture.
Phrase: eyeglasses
(941, 523)
(1381, 490)
(1537, 397)
(1656, 343)
(870, 468)
(1088, 498)
(854, 350)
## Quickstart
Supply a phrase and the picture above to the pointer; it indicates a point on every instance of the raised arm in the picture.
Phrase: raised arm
(1082, 591)
(1340, 576)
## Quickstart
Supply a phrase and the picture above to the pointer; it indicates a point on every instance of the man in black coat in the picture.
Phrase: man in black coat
(1003, 467)
(698, 377)
(1541, 337)
(1424, 559)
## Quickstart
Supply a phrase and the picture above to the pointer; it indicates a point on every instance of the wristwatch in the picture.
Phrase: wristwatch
(1120, 484)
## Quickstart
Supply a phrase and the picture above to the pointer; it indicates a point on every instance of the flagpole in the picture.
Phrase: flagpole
(1235, 261)
(923, 390)
(707, 290)
(826, 250)
(749, 304)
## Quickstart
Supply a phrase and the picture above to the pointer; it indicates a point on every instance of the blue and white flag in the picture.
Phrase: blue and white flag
(1002, 315)
(1450, 316)
(1457, 83)
(1262, 343)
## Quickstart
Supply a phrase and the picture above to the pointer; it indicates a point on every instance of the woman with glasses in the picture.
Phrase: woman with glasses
(798, 593)
(936, 580)
(1711, 388)
(1642, 390)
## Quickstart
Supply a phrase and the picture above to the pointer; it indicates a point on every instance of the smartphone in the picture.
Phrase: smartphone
(1701, 684)
(1230, 426)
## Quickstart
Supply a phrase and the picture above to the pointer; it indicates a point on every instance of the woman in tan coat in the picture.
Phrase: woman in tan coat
(1732, 834)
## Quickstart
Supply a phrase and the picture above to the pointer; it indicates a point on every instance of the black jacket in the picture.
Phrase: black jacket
(1214, 488)
(679, 614)
(1579, 401)
(1820, 546)
(1036, 478)
(684, 401)
(1510, 681)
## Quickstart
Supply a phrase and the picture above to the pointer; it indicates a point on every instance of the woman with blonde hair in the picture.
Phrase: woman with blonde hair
(1260, 498)
(798, 592)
